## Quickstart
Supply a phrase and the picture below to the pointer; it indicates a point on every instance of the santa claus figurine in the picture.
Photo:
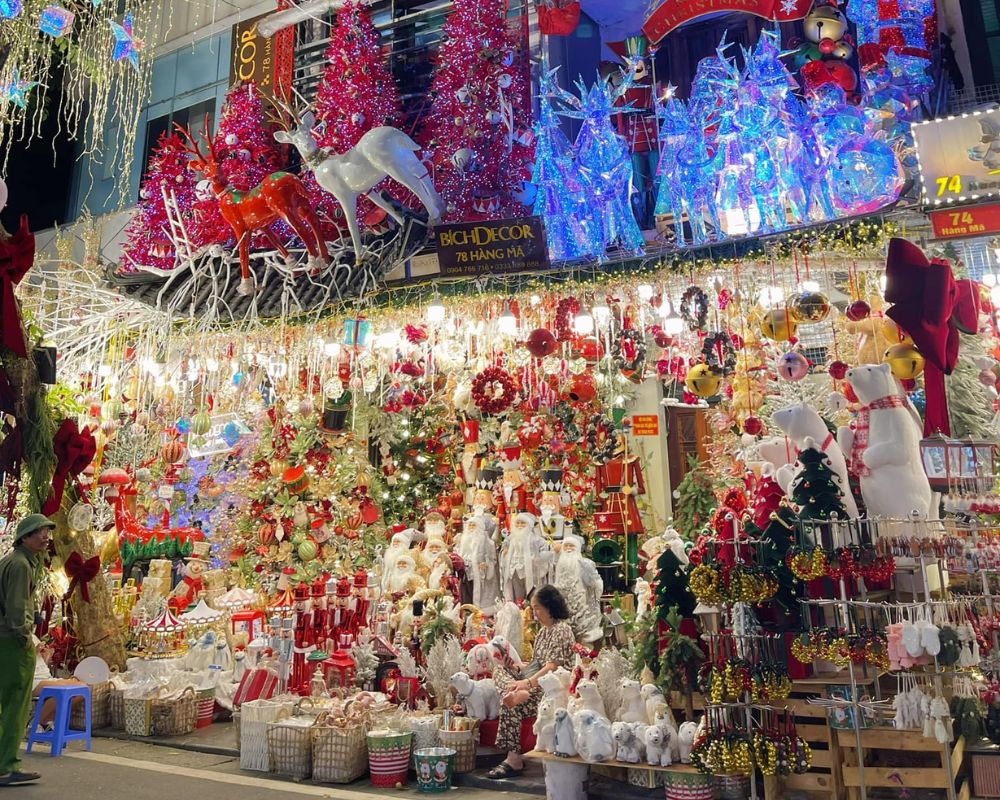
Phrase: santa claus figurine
(525, 559)
(405, 580)
(434, 549)
(579, 583)
(513, 496)
(481, 585)
(398, 545)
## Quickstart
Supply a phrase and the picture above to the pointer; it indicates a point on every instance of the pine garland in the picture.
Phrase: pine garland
(694, 500)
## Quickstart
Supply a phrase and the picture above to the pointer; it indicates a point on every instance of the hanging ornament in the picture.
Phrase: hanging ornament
(628, 350)
(308, 550)
(719, 352)
(905, 361)
(493, 390)
(494, 117)
(463, 157)
(793, 366)
(753, 426)
(505, 81)
(694, 308)
(582, 388)
(231, 139)
(462, 94)
(566, 311)
(858, 310)
(778, 325)
(201, 423)
(810, 307)
(838, 369)
(702, 381)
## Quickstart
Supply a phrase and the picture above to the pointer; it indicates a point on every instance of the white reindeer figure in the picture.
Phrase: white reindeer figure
(381, 152)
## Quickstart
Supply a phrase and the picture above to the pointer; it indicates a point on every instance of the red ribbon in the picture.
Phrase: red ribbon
(17, 254)
(74, 450)
(81, 571)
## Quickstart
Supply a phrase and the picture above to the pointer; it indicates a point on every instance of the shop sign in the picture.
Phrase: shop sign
(504, 245)
(673, 13)
(953, 223)
(959, 157)
(264, 61)
(645, 425)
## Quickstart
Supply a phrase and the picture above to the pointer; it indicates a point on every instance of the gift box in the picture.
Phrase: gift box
(162, 570)
(256, 684)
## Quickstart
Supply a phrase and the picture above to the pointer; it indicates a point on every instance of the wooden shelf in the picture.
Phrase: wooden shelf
(541, 755)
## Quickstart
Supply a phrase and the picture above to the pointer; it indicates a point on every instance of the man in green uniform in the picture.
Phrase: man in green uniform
(18, 572)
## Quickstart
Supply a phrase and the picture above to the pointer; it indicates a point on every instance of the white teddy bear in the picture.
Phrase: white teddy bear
(632, 708)
(480, 698)
(686, 737)
(657, 748)
(628, 745)
(588, 697)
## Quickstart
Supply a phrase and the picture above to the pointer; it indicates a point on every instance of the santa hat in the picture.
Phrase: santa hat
(552, 479)
(487, 478)
(510, 457)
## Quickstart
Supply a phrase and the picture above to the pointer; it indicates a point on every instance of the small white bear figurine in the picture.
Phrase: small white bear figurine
(656, 703)
(884, 447)
(593, 736)
(565, 734)
(632, 708)
(686, 736)
(555, 687)
(627, 746)
(545, 726)
(480, 698)
(588, 697)
(657, 751)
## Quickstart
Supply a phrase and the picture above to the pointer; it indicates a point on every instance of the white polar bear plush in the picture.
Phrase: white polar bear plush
(777, 454)
(893, 483)
(593, 736)
(565, 734)
(686, 736)
(657, 750)
(555, 687)
(588, 697)
(656, 703)
(801, 422)
(628, 746)
(545, 726)
(480, 698)
(632, 709)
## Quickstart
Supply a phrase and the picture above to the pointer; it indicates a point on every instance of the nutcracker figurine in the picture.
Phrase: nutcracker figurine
(343, 612)
(638, 124)
(551, 522)
(617, 484)
(471, 457)
(363, 595)
(318, 631)
(513, 497)
(299, 681)
(483, 499)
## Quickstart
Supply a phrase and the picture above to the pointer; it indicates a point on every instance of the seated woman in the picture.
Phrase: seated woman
(520, 692)
(43, 678)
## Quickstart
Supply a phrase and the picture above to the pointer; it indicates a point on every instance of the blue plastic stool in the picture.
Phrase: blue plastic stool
(61, 733)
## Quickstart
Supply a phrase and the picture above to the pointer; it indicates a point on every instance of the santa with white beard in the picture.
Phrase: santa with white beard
(398, 545)
(526, 558)
(481, 585)
(405, 580)
(581, 586)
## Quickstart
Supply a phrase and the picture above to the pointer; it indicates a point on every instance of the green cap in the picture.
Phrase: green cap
(30, 524)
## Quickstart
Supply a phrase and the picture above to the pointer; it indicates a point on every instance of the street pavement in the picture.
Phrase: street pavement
(123, 770)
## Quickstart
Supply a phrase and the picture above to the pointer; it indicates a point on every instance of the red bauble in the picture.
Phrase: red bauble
(662, 339)
(753, 425)
(827, 46)
(829, 73)
(663, 367)
(838, 369)
(541, 343)
(590, 348)
(583, 388)
(858, 310)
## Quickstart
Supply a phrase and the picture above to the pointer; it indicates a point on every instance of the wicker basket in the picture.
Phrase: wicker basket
(100, 712)
(289, 745)
(116, 709)
(464, 745)
(339, 752)
(175, 716)
(389, 757)
(236, 726)
(255, 715)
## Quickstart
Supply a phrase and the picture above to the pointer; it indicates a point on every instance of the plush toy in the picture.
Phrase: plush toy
(480, 698)
(632, 709)
(588, 697)
(884, 446)
(555, 687)
(777, 454)
(655, 703)
(657, 748)
(188, 590)
(504, 652)
(565, 734)
(686, 736)
(629, 744)
(822, 58)
(593, 736)
(643, 597)
(479, 662)
(545, 725)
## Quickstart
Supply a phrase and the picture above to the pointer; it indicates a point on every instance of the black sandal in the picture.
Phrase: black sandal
(503, 772)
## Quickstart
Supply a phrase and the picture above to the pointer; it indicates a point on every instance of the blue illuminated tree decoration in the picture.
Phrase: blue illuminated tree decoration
(11, 9)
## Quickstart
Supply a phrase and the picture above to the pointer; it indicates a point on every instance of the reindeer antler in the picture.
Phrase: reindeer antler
(193, 148)
(284, 114)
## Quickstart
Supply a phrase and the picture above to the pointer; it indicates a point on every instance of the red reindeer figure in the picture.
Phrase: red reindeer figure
(280, 195)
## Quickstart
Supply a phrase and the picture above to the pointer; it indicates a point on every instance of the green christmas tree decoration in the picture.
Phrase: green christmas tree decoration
(776, 539)
(815, 489)
(970, 402)
(694, 500)
(672, 590)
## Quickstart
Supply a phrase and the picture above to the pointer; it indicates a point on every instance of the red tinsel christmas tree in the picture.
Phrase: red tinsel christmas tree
(148, 240)
(356, 93)
(479, 128)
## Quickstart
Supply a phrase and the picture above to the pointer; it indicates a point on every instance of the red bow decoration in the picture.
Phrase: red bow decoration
(81, 571)
(558, 18)
(74, 450)
(17, 254)
(932, 307)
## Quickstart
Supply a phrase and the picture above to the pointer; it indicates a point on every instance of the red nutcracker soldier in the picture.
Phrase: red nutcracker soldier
(638, 125)
(342, 614)
(318, 632)
(616, 485)
(299, 681)
(363, 602)
(512, 496)
(471, 457)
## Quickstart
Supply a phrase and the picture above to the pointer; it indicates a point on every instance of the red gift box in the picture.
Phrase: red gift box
(256, 684)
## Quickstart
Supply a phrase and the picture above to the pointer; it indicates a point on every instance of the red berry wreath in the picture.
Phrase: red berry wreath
(493, 390)
(566, 311)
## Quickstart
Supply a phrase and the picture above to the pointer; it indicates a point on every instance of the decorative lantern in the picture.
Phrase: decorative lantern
(339, 669)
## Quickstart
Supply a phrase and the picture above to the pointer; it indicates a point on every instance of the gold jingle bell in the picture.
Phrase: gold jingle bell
(905, 361)
(779, 325)
(702, 381)
(810, 307)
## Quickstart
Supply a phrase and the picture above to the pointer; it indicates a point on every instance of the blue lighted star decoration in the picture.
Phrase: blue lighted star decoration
(126, 45)
(15, 90)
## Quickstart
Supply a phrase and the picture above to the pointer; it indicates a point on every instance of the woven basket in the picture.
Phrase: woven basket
(100, 709)
(116, 709)
(464, 745)
(236, 726)
(289, 745)
(339, 752)
(389, 757)
(252, 732)
(176, 716)
(688, 786)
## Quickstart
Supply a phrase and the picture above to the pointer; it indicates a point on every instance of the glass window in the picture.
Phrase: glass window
(192, 117)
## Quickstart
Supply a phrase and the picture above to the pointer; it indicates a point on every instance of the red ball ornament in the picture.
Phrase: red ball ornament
(590, 348)
(909, 384)
(838, 369)
(753, 425)
(662, 339)
(827, 46)
(663, 367)
(541, 343)
(858, 310)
